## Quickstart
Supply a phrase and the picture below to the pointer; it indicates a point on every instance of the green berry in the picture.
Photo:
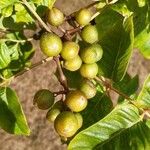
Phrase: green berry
(89, 70)
(73, 64)
(76, 101)
(79, 119)
(83, 17)
(92, 54)
(44, 99)
(88, 88)
(51, 44)
(66, 124)
(55, 17)
(90, 34)
(52, 114)
(70, 50)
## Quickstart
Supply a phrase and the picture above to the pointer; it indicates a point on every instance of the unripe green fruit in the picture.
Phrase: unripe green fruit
(52, 114)
(44, 99)
(51, 44)
(55, 17)
(89, 70)
(73, 64)
(88, 88)
(70, 50)
(76, 101)
(90, 34)
(83, 17)
(92, 54)
(66, 124)
(79, 119)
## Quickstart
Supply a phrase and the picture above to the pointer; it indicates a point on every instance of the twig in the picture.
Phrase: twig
(72, 31)
(36, 15)
(43, 61)
(62, 79)
(107, 85)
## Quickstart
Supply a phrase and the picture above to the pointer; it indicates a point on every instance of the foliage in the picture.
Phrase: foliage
(122, 26)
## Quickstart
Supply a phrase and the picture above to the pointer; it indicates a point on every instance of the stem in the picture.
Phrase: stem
(36, 15)
(17, 41)
(109, 86)
(72, 31)
(62, 79)
(43, 61)
(95, 15)
(106, 84)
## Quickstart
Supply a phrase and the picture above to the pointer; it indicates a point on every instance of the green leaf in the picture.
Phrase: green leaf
(22, 15)
(143, 100)
(12, 118)
(74, 78)
(107, 19)
(134, 138)
(117, 45)
(98, 107)
(122, 117)
(142, 42)
(6, 6)
(128, 86)
(14, 52)
(4, 55)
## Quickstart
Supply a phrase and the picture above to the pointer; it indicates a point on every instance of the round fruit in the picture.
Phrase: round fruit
(55, 17)
(89, 70)
(52, 114)
(44, 99)
(73, 64)
(90, 34)
(66, 124)
(76, 101)
(88, 88)
(83, 17)
(92, 54)
(70, 50)
(51, 44)
(79, 119)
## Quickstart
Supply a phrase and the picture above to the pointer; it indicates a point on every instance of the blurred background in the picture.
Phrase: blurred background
(43, 136)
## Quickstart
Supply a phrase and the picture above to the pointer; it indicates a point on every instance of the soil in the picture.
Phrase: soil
(43, 136)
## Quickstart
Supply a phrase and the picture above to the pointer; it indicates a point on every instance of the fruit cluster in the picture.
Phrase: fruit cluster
(65, 114)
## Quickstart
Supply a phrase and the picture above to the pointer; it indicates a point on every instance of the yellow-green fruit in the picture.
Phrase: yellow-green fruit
(70, 50)
(92, 54)
(51, 44)
(66, 124)
(89, 70)
(73, 64)
(88, 88)
(55, 17)
(76, 101)
(90, 34)
(52, 114)
(83, 17)
(44, 99)
(79, 119)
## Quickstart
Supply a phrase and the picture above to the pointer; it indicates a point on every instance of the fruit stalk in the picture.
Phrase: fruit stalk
(62, 79)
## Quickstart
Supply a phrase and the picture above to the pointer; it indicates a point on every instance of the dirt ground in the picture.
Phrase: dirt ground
(43, 136)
